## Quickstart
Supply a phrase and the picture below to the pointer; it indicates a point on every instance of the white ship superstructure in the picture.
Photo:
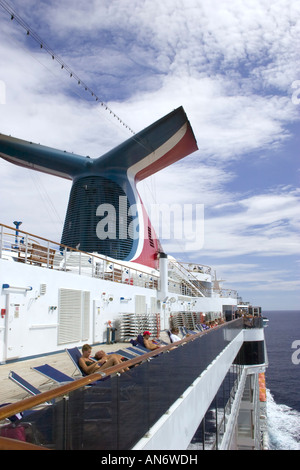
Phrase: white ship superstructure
(54, 297)
(108, 280)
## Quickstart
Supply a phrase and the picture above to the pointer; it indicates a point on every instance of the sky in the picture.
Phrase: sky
(234, 67)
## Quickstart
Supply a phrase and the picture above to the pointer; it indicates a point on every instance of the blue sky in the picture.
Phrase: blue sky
(234, 67)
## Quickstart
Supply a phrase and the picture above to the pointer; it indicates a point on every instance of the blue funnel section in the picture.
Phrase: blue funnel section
(105, 213)
(94, 199)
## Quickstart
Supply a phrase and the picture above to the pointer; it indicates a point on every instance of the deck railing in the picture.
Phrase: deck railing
(184, 282)
(114, 413)
(23, 247)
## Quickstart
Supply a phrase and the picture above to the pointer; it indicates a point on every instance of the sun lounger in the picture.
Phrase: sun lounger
(139, 343)
(17, 379)
(137, 351)
(142, 348)
(161, 342)
(184, 331)
(199, 327)
(124, 353)
(75, 355)
(24, 384)
(53, 374)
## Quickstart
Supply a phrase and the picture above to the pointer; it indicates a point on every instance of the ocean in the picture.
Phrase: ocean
(282, 337)
(283, 379)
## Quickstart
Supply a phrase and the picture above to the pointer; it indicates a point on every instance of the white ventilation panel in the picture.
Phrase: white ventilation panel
(73, 315)
(140, 304)
(43, 289)
(153, 305)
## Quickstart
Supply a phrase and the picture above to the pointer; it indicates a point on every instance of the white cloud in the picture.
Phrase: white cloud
(231, 65)
(267, 224)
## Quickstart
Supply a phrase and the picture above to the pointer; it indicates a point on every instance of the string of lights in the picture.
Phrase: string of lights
(43, 45)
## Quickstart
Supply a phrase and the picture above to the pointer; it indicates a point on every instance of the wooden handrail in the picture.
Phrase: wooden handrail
(9, 410)
(42, 398)
(61, 245)
(35, 236)
(13, 444)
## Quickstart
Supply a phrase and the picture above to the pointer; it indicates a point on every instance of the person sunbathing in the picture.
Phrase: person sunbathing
(149, 343)
(89, 365)
(174, 335)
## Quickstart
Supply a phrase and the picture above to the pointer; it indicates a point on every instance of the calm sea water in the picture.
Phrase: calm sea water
(283, 379)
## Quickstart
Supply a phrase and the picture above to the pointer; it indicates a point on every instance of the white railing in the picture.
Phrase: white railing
(196, 268)
(181, 278)
(226, 293)
(30, 249)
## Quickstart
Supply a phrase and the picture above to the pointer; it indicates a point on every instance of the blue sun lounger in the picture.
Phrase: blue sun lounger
(29, 388)
(199, 327)
(24, 384)
(53, 374)
(137, 351)
(142, 348)
(124, 353)
(75, 355)
(184, 331)
(139, 343)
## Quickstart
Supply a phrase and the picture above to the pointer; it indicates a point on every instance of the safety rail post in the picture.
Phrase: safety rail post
(26, 248)
(93, 265)
(129, 276)
(48, 254)
(148, 403)
(79, 267)
(65, 259)
(118, 410)
(217, 426)
(1, 240)
(65, 414)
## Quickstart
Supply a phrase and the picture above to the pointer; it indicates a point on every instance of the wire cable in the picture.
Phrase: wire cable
(43, 45)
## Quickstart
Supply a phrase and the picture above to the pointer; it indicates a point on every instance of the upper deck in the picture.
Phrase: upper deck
(169, 390)
(53, 295)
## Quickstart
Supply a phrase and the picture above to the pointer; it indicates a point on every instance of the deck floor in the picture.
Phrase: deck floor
(11, 392)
